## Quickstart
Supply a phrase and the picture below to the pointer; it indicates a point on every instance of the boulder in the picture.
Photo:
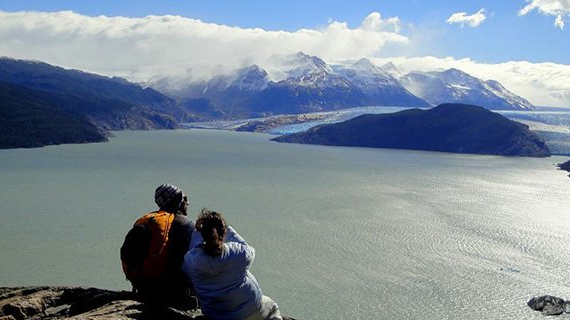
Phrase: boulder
(549, 305)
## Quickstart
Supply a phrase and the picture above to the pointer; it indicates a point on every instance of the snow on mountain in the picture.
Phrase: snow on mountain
(456, 86)
(311, 71)
(500, 91)
(379, 86)
(303, 83)
(300, 64)
(392, 69)
(366, 76)
(248, 79)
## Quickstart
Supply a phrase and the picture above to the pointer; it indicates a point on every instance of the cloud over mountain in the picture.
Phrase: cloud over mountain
(153, 47)
(541, 83)
(140, 47)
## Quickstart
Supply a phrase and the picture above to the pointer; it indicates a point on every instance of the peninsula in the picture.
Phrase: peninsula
(457, 128)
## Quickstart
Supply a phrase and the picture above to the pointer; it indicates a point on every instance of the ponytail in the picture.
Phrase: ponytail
(212, 227)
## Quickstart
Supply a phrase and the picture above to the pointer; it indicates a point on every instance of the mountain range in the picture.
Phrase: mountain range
(308, 84)
(95, 104)
(456, 86)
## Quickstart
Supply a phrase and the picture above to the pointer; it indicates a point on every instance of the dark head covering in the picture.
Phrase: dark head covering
(168, 195)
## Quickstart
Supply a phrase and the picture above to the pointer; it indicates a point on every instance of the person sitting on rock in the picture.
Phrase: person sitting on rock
(154, 249)
(218, 268)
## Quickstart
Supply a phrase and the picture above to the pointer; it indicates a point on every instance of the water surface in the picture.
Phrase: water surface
(340, 233)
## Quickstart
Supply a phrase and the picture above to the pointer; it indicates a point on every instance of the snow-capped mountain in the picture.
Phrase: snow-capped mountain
(392, 69)
(248, 79)
(513, 99)
(311, 71)
(456, 86)
(380, 87)
(366, 76)
(301, 83)
(310, 85)
(307, 84)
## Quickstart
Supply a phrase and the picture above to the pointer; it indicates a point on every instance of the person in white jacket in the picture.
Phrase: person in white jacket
(218, 267)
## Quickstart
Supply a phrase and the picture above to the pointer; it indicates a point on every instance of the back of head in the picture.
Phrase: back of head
(168, 197)
(212, 227)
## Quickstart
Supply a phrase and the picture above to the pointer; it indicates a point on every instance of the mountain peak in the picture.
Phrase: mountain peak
(303, 65)
(364, 63)
(389, 66)
(454, 85)
(251, 78)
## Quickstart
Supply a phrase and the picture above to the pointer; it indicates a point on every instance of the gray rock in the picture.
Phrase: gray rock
(57, 303)
(567, 306)
(552, 310)
(549, 305)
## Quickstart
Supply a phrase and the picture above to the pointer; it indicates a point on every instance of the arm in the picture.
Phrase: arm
(242, 252)
(233, 236)
(241, 255)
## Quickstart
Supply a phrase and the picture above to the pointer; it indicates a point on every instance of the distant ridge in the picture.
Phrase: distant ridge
(300, 83)
(455, 128)
(108, 103)
(43, 104)
(309, 85)
(456, 86)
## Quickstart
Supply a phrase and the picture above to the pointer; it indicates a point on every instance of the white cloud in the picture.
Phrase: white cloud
(156, 46)
(557, 8)
(559, 22)
(462, 18)
(543, 84)
(139, 48)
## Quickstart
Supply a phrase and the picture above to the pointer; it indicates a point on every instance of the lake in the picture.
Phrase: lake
(340, 233)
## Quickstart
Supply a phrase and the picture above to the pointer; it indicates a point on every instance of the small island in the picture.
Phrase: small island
(564, 166)
(457, 128)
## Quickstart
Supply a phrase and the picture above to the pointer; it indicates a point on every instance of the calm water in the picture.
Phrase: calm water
(340, 233)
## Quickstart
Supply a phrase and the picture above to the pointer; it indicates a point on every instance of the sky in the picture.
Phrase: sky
(524, 44)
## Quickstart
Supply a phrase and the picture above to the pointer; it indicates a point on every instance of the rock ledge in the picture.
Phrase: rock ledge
(82, 303)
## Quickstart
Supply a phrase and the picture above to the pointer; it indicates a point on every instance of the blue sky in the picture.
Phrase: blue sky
(503, 36)
(523, 44)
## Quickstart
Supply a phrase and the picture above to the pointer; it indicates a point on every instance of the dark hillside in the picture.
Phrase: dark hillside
(109, 103)
(449, 127)
(31, 119)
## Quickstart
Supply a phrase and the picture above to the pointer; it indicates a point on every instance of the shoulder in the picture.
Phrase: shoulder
(184, 221)
(145, 218)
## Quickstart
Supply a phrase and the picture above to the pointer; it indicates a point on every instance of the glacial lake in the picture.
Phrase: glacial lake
(340, 233)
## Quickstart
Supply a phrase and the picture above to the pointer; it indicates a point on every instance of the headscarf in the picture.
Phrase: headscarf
(166, 193)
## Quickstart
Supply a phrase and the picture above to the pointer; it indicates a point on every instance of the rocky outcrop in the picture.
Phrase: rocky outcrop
(549, 305)
(83, 303)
